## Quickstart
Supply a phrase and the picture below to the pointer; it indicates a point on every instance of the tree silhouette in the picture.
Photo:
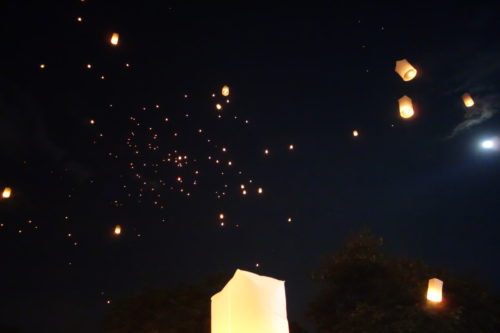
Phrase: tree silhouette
(366, 290)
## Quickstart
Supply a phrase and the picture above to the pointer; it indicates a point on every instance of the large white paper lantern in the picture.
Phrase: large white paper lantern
(250, 303)
(406, 107)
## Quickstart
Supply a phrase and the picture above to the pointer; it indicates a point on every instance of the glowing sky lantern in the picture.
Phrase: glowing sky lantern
(115, 38)
(6, 192)
(260, 190)
(225, 91)
(250, 303)
(405, 70)
(467, 99)
(355, 133)
(435, 290)
(118, 230)
(406, 107)
(218, 106)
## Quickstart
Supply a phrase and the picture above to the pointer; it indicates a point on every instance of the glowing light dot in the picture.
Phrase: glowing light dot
(221, 216)
(225, 91)
(289, 219)
(291, 147)
(79, 19)
(260, 190)
(244, 192)
(92, 121)
(118, 230)
(218, 106)
(266, 151)
(355, 133)
(42, 66)
(89, 66)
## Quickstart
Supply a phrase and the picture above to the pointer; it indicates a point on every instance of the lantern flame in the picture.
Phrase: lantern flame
(406, 107)
(6, 192)
(118, 230)
(467, 99)
(405, 70)
(435, 290)
(115, 38)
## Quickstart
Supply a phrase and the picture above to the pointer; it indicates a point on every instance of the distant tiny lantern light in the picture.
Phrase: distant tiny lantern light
(406, 107)
(266, 151)
(467, 99)
(218, 106)
(355, 133)
(291, 147)
(115, 38)
(221, 216)
(118, 230)
(42, 66)
(260, 190)
(6, 193)
(435, 290)
(405, 70)
(79, 19)
(225, 91)
(89, 66)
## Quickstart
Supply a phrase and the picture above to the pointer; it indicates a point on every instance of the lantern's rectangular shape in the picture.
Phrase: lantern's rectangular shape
(405, 70)
(115, 38)
(467, 99)
(435, 290)
(250, 303)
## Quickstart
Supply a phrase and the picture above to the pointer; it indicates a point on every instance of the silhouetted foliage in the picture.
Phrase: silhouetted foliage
(366, 290)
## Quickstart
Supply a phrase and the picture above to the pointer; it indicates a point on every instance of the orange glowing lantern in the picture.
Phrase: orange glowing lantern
(355, 133)
(405, 70)
(6, 192)
(218, 106)
(435, 290)
(467, 99)
(406, 107)
(225, 91)
(115, 38)
(118, 230)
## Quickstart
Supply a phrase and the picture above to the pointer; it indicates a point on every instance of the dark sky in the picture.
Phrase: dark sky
(304, 75)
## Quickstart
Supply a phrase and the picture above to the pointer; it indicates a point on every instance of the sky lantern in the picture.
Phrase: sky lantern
(355, 133)
(405, 70)
(260, 190)
(218, 106)
(225, 91)
(406, 107)
(118, 229)
(6, 193)
(250, 303)
(115, 38)
(467, 99)
(435, 290)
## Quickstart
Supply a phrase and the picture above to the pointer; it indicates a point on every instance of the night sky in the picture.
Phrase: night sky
(135, 139)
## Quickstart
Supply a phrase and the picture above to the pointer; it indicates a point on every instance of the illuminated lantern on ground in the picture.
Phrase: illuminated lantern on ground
(250, 303)
(6, 192)
(467, 99)
(115, 38)
(118, 230)
(406, 107)
(405, 70)
(225, 91)
(435, 290)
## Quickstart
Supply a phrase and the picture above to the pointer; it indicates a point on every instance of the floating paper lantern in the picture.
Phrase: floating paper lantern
(405, 70)
(6, 192)
(467, 99)
(115, 38)
(250, 303)
(225, 91)
(355, 133)
(435, 290)
(406, 107)
(218, 106)
(118, 230)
